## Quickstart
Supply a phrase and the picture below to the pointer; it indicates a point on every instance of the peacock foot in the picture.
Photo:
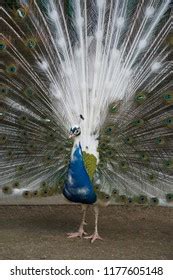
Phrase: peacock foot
(80, 233)
(93, 237)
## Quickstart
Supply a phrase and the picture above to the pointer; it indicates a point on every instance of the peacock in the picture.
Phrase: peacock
(86, 102)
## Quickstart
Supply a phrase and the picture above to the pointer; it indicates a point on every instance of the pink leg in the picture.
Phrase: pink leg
(80, 233)
(95, 235)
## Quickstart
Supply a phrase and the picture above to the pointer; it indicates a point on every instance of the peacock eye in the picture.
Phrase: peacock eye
(11, 69)
(35, 193)
(28, 92)
(2, 46)
(21, 13)
(31, 43)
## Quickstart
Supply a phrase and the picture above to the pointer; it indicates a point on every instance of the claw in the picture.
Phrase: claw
(93, 237)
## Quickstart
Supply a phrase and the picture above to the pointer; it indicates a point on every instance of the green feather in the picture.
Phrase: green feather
(90, 162)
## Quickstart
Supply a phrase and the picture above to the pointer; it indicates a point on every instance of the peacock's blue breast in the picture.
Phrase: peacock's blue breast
(78, 186)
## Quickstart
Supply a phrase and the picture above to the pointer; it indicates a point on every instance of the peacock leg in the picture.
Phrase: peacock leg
(80, 233)
(95, 235)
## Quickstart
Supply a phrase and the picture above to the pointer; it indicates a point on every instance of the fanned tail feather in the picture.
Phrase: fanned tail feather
(109, 61)
(34, 148)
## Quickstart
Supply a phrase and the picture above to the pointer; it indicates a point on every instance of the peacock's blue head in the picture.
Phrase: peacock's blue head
(75, 131)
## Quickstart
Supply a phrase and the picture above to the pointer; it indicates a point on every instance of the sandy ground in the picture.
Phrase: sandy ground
(39, 232)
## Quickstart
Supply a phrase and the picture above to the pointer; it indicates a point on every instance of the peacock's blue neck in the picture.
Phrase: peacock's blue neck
(78, 186)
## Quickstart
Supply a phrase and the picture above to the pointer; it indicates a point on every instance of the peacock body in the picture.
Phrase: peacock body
(78, 188)
(100, 72)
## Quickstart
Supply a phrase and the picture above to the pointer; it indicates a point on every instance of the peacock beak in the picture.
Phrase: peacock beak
(71, 136)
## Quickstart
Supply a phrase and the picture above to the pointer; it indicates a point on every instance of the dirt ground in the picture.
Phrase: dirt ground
(39, 232)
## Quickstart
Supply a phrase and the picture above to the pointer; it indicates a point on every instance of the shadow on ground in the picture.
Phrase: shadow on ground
(39, 232)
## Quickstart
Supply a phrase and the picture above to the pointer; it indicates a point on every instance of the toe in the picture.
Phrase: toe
(97, 237)
(73, 235)
(76, 234)
(94, 237)
(88, 237)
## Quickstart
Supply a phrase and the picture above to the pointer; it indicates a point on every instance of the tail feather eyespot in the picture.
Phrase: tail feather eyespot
(11, 69)
(7, 190)
(2, 45)
(140, 97)
(27, 194)
(168, 97)
(169, 197)
(154, 201)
